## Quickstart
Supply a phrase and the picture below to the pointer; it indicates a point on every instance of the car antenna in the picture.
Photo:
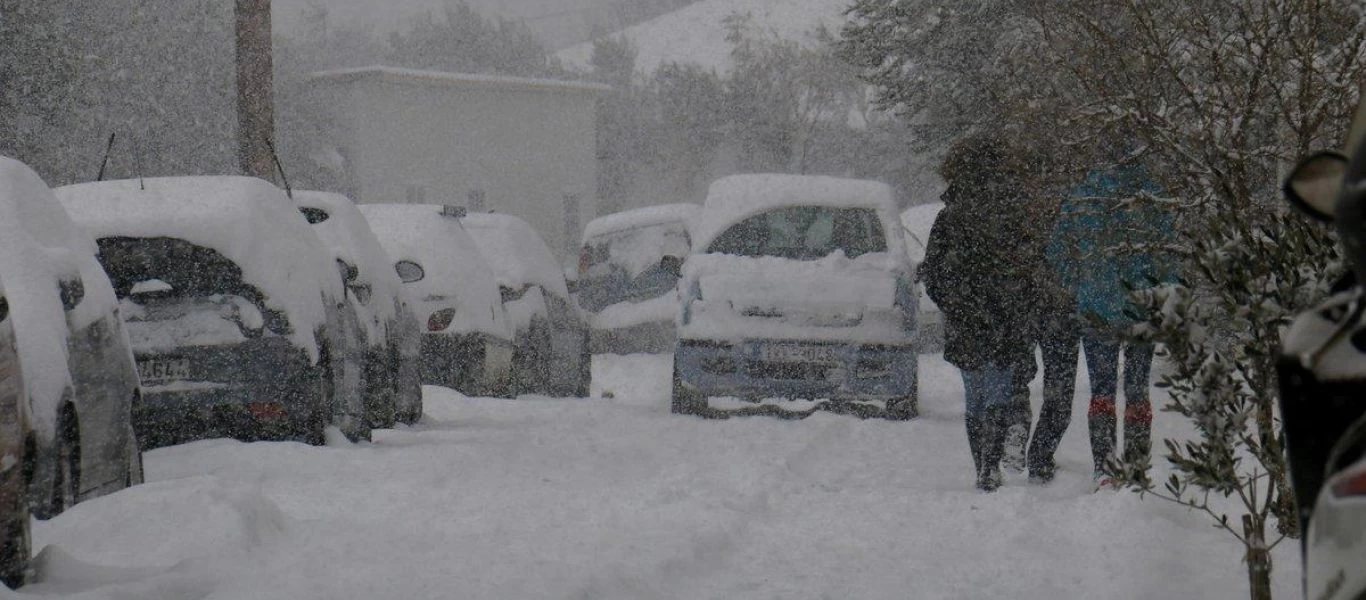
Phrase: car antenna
(137, 158)
(104, 163)
(279, 167)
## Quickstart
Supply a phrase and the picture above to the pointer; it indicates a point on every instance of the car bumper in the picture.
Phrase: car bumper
(871, 372)
(265, 389)
(164, 418)
(653, 337)
(476, 364)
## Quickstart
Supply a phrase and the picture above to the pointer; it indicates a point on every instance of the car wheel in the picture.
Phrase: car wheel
(686, 401)
(585, 384)
(902, 409)
(135, 473)
(66, 472)
(15, 538)
(315, 428)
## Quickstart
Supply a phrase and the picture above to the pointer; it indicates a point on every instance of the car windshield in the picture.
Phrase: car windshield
(804, 233)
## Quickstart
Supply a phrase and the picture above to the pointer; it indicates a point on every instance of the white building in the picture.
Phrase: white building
(525, 147)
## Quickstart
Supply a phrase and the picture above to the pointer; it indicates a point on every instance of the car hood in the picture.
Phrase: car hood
(769, 297)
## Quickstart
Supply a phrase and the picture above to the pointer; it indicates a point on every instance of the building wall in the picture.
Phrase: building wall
(526, 150)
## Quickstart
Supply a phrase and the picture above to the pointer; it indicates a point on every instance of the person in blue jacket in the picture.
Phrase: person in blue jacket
(1105, 245)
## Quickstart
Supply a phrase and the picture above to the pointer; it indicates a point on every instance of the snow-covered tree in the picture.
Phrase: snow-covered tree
(1220, 97)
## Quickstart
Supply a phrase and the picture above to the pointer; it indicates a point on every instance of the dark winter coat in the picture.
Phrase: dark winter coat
(979, 268)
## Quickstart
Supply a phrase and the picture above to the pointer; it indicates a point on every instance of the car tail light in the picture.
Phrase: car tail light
(266, 410)
(441, 319)
(585, 259)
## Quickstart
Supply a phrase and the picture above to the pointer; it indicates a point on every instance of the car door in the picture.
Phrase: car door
(100, 371)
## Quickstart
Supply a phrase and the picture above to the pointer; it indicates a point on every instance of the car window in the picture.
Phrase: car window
(170, 267)
(804, 233)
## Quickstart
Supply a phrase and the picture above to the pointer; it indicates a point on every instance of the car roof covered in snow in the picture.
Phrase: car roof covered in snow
(737, 197)
(516, 252)
(640, 217)
(449, 257)
(350, 238)
(247, 220)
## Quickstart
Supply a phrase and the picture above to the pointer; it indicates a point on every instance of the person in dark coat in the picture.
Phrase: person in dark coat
(973, 271)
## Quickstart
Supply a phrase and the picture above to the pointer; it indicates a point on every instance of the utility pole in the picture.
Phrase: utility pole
(255, 89)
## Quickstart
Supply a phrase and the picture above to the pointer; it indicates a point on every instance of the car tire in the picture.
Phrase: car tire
(16, 541)
(584, 388)
(685, 401)
(902, 409)
(135, 474)
(66, 472)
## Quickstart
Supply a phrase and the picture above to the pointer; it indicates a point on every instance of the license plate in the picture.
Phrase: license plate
(164, 369)
(798, 354)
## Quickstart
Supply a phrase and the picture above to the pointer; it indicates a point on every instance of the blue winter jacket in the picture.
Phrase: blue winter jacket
(1091, 247)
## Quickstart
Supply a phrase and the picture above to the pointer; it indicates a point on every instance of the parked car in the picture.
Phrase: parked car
(798, 287)
(391, 335)
(73, 354)
(916, 221)
(1322, 377)
(15, 430)
(467, 342)
(551, 354)
(628, 277)
(235, 309)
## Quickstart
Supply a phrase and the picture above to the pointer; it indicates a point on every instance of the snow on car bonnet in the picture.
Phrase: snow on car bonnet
(516, 252)
(734, 198)
(450, 260)
(349, 237)
(31, 274)
(247, 220)
(640, 217)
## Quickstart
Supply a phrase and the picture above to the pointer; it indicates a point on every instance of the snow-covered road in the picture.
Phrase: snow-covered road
(616, 498)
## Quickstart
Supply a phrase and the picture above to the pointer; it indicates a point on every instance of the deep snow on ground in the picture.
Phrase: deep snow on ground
(616, 498)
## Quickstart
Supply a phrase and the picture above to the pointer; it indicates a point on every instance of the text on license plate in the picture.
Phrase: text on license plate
(164, 369)
(808, 354)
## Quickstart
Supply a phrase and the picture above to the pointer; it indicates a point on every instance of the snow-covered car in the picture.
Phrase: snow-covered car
(235, 309)
(551, 355)
(73, 353)
(916, 222)
(467, 342)
(628, 277)
(798, 288)
(391, 335)
(15, 544)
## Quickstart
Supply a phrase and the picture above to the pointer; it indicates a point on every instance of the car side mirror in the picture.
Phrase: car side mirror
(1314, 184)
(4, 309)
(71, 291)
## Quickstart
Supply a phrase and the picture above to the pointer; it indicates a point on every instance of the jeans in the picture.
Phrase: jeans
(1102, 362)
(1058, 341)
(986, 388)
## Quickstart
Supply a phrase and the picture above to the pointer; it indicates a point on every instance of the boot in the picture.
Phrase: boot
(974, 426)
(992, 447)
(1018, 417)
(1101, 418)
(1138, 431)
